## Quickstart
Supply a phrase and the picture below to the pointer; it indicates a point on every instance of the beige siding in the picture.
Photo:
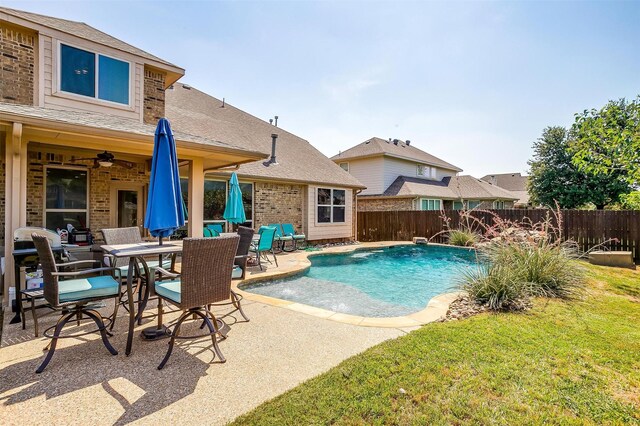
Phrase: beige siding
(369, 171)
(394, 167)
(51, 98)
(329, 231)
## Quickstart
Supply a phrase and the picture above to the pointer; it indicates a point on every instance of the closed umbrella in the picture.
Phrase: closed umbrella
(234, 210)
(165, 212)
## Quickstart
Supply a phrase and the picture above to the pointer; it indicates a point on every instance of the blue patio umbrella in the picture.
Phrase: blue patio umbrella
(165, 212)
(234, 210)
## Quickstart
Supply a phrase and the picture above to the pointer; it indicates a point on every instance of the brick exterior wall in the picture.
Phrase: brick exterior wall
(100, 181)
(278, 203)
(153, 96)
(384, 204)
(17, 65)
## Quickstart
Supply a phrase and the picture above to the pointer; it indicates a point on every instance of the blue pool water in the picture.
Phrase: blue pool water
(385, 282)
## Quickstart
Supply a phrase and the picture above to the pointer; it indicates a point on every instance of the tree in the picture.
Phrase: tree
(607, 141)
(555, 178)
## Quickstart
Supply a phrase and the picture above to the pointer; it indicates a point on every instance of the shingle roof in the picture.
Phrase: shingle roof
(82, 30)
(196, 112)
(455, 187)
(109, 122)
(377, 146)
(513, 182)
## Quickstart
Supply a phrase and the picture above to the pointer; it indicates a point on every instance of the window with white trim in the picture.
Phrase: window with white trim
(331, 205)
(473, 204)
(458, 205)
(498, 204)
(425, 171)
(430, 204)
(344, 166)
(93, 75)
(66, 197)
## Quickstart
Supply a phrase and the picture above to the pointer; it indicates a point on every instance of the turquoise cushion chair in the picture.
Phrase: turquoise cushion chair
(265, 244)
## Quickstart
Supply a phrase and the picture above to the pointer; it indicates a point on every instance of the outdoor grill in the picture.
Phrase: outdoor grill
(26, 258)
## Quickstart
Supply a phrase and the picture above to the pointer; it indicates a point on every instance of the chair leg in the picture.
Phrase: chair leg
(35, 317)
(213, 328)
(236, 302)
(176, 330)
(21, 309)
(275, 259)
(97, 318)
(115, 311)
(259, 257)
(54, 340)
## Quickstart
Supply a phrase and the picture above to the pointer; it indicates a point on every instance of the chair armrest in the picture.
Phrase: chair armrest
(116, 271)
(164, 272)
(78, 263)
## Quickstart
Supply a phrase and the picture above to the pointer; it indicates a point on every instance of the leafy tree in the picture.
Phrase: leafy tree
(555, 178)
(607, 141)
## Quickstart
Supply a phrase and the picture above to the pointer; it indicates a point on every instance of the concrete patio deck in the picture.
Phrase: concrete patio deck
(283, 345)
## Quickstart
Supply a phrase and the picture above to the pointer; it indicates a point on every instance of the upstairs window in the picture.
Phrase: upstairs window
(93, 75)
(345, 166)
(473, 204)
(331, 205)
(426, 171)
(498, 204)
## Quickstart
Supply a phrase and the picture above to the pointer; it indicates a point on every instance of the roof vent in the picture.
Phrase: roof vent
(389, 141)
(395, 141)
(272, 160)
(367, 142)
(186, 86)
(408, 142)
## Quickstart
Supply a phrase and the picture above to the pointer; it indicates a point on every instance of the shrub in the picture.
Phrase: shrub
(462, 237)
(498, 287)
(523, 260)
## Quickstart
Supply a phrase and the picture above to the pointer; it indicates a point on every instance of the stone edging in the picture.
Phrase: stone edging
(298, 262)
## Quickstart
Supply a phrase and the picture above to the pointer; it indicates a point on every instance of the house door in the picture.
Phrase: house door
(127, 206)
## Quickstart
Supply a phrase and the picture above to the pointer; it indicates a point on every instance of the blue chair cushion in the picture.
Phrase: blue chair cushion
(169, 290)
(237, 272)
(87, 288)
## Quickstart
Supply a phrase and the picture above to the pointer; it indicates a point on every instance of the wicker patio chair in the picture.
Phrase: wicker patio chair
(265, 245)
(242, 255)
(74, 295)
(205, 279)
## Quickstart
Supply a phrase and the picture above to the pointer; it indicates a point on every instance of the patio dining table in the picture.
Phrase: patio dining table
(137, 253)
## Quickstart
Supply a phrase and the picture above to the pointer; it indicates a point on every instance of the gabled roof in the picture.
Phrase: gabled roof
(196, 112)
(82, 30)
(513, 182)
(455, 187)
(376, 146)
(510, 181)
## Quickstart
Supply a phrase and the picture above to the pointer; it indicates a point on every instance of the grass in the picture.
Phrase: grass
(560, 363)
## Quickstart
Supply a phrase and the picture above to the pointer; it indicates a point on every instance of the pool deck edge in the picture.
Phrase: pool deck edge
(296, 262)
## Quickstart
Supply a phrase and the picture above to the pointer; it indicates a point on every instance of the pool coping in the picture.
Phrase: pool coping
(298, 262)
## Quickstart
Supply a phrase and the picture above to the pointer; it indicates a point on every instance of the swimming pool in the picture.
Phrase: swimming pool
(385, 282)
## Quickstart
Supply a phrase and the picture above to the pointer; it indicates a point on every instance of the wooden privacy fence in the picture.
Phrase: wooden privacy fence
(614, 230)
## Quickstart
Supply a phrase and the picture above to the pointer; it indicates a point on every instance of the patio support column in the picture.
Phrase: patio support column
(15, 198)
(196, 197)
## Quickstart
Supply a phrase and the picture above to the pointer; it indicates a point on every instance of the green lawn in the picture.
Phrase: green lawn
(561, 363)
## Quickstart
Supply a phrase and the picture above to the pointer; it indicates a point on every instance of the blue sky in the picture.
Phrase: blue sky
(471, 82)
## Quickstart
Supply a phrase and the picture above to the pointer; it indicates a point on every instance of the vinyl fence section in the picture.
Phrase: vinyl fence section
(612, 230)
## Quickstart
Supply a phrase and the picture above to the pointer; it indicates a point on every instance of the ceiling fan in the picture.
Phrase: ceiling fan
(106, 159)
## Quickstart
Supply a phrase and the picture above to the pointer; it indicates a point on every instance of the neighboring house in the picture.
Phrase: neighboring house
(514, 183)
(69, 92)
(399, 176)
